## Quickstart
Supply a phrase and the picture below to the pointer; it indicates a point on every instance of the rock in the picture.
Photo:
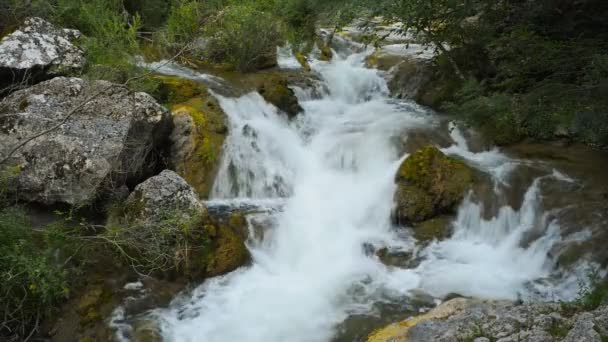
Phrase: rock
(38, 50)
(472, 320)
(171, 231)
(109, 141)
(276, 91)
(303, 60)
(147, 330)
(409, 77)
(167, 192)
(229, 248)
(432, 229)
(428, 184)
(197, 142)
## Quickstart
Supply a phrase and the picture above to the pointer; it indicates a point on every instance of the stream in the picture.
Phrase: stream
(326, 182)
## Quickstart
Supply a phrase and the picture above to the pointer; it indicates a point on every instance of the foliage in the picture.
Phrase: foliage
(184, 21)
(165, 246)
(243, 37)
(31, 282)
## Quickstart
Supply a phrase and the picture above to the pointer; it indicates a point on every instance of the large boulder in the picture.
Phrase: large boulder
(165, 229)
(429, 184)
(463, 319)
(109, 140)
(38, 50)
(275, 89)
(199, 132)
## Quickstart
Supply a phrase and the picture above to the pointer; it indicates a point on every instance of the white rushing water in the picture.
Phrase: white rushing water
(333, 171)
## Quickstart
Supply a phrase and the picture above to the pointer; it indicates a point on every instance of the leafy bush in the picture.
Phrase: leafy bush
(243, 37)
(166, 246)
(31, 283)
(184, 21)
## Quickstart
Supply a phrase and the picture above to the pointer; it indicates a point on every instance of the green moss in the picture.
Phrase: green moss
(303, 61)
(175, 90)
(430, 183)
(229, 253)
(436, 228)
(199, 167)
(276, 90)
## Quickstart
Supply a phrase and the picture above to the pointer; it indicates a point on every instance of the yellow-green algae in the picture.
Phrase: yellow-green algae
(198, 162)
(430, 183)
(397, 332)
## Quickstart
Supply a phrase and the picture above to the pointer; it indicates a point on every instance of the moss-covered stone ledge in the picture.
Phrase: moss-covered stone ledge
(429, 183)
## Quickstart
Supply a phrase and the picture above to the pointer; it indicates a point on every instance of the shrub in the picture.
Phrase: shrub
(165, 246)
(184, 21)
(31, 283)
(243, 37)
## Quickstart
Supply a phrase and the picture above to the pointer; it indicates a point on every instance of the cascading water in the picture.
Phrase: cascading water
(333, 170)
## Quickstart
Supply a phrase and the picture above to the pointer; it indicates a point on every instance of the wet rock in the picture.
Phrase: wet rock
(38, 50)
(197, 141)
(428, 184)
(198, 135)
(433, 229)
(471, 320)
(276, 91)
(409, 77)
(229, 251)
(110, 139)
(147, 330)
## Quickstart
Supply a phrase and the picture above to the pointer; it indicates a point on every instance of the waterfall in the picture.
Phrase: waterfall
(333, 171)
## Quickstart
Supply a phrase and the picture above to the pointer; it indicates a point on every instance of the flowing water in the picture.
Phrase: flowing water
(329, 175)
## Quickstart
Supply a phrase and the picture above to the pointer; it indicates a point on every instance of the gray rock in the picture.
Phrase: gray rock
(583, 329)
(471, 319)
(167, 192)
(39, 47)
(108, 141)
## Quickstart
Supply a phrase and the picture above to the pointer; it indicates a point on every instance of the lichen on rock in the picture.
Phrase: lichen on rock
(110, 138)
(197, 140)
(275, 89)
(428, 184)
(36, 48)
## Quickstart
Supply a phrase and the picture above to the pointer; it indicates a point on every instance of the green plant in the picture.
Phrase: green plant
(243, 37)
(31, 282)
(165, 246)
(184, 21)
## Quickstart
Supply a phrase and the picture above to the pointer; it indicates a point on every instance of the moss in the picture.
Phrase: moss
(430, 183)
(326, 53)
(177, 90)
(229, 252)
(435, 228)
(276, 91)
(89, 304)
(209, 132)
(303, 61)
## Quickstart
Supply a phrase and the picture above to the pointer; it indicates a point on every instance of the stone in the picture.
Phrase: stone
(276, 91)
(481, 320)
(197, 141)
(110, 139)
(166, 192)
(39, 50)
(429, 183)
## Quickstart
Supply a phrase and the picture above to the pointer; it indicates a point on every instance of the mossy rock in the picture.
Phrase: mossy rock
(326, 52)
(432, 229)
(174, 90)
(303, 61)
(275, 89)
(229, 251)
(428, 184)
(197, 141)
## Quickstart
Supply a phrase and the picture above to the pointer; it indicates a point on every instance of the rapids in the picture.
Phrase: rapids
(329, 175)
